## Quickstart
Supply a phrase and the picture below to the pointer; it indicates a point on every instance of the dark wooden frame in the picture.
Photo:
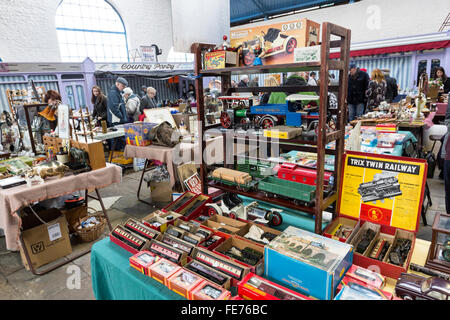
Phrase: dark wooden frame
(432, 262)
(328, 30)
(27, 116)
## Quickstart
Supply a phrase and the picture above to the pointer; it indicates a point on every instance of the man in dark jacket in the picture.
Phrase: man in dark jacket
(117, 113)
(149, 101)
(391, 86)
(244, 81)
(358, 82)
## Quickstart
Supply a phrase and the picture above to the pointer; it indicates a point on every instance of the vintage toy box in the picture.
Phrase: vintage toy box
(221, 59)
(210, 291)
(364, 277)
(142, 230)
(168, 252)
(355, 291)
(183, 282)
(307, 262)
(254, 287)
(282, 132)
(258, 233)
(159, 220)
(223, 226)
(384, 194)
(178, 243)
(212, 242)
(209, 273)
(194, 208)
(342, 229)
(180, 202)
(233, 269)
(142, 261)
(128, 240)
(386, 127)
(162, 270)
(138, 133)
(276, 42)
(244, 252)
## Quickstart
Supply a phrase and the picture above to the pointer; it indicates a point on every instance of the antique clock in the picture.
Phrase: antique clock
(439, 253)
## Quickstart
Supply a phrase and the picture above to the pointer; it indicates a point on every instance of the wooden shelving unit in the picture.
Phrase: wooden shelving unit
(343, 43)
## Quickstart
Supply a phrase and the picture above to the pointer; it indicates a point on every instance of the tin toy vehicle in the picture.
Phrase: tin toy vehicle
(231, 205)
(267, 44)
(414, 287)
(276, 187)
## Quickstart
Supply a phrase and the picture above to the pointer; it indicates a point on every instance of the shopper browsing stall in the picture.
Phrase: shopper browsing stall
(53, 99)
(116, 106)
(149, 101)
(132, 103)
(244, 81)
(99, 101)
(358, 82)
(391, 86)
(376, 91)
(443, 79)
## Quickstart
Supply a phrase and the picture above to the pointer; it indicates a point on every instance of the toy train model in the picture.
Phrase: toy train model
(379, 189)
(236, 113)
(292, 182)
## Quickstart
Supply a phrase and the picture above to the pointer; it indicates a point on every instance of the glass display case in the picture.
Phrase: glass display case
(439, 253)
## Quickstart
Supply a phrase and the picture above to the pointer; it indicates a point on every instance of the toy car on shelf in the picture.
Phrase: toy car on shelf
(231, 205)
(414, 287)
(256, 169)
(267, 44)
(233, 178)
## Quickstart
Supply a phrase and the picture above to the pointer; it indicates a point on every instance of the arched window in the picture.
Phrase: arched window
(90, 28)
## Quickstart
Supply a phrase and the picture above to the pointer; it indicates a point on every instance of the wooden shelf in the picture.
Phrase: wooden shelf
(278, 68)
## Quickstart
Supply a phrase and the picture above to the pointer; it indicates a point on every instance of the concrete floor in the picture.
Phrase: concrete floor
(17, 283)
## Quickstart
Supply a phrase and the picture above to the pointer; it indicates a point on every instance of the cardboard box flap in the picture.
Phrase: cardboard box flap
(383, 189)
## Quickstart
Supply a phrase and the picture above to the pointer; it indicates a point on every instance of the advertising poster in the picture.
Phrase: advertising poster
(383, 189)
(275, 43)
(193, 183)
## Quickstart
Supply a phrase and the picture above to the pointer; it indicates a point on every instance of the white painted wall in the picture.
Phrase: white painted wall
(28, 34)
(372, 20)
(204, 21)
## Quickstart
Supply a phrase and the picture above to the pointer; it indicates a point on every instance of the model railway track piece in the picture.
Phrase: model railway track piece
(141, 229)
(206, 272)
(128, 238)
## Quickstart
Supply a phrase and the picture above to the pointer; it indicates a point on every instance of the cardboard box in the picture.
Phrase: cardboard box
(221, 230)
(162, 270)
(277, 41)
(307, 262)
(364, 277)
(138, 133)
(45, 243)
(187, 118)
(393, 211)
(161, 191)
(221, 59)
(245, 229)
(339, 224)
(168, 252)
(183, 282)
(181, 202)
(142, 230)
(95, 151)
(207, 290)
(227, 221)
(160, 217)
(211, 246)
(235, 270)
(226, 283)
(189, 214)
(142, 261)
(283, 132)
(240, 244)
(178, 243)
(254, 287)
(128, 240)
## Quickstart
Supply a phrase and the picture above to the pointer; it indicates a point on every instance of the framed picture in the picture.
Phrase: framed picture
(185, 171)
(159, 115)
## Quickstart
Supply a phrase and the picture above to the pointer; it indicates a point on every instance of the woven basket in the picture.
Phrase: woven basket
(92, 233)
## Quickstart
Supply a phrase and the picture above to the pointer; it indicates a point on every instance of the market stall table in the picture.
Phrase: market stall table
(114, 279)
(114, 135)
(16, 198)
(182, 153)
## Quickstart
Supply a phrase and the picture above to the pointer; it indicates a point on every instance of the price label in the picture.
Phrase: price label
(54, 232)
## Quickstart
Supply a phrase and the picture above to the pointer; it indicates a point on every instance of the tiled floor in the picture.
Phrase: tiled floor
(73, 281)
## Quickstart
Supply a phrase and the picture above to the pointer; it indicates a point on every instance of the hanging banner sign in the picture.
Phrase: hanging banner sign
(383, 189)
(133, 67)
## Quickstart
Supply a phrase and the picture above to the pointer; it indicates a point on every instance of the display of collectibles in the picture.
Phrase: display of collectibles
(307, 262)
(379, 209)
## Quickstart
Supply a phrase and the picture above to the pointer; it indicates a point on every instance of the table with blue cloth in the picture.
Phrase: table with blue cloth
(114, 279)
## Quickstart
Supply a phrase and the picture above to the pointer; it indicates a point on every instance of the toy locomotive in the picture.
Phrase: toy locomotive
(379, 189)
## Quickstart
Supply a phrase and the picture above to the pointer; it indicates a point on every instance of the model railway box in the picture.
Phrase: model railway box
(282, 132)
(223, 226)
(254, 287)
(209, 291)
(183, 282)
(180, 202)
(138, 133)
(383, 194)
(168, 252)
(220, 59)
(236, 271)
(162, 270)
(240, 244)
(227, 279)
(142, 261)
(278, 41)
(212, 242)
(307, 262)
(195, 207)
(245, 230)
(128, 240)
(159, 220)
